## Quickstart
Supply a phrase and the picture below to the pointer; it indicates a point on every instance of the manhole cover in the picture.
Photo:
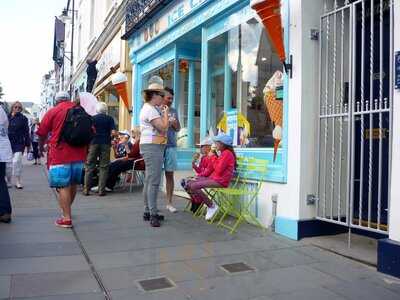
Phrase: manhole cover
(237, 267)
(156, 284)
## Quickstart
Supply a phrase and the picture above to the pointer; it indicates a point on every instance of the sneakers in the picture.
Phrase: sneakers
(95, 189)
(171, 209)
(64, 223)
(19, 186)
(154, 221)
(211, 211)
(108, 189)
(5, 218)
(146, 217)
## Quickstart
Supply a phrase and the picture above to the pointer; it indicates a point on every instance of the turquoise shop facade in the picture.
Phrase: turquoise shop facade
(185, 29)
(189, 30)
(208, 19)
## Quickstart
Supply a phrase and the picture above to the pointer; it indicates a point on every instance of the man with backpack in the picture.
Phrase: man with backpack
(70, 130)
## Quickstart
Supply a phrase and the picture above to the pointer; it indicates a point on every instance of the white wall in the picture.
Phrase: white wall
(394, 218)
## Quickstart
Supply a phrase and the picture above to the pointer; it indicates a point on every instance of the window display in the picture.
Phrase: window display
(245, 80)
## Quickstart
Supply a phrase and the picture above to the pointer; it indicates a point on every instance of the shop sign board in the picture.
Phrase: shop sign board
(110, 57)
(232, 125)
(397, 70)
(171, 17)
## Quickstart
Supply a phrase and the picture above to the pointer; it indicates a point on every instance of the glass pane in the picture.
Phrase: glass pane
(166, 72)
(184, 100)
(251, 83)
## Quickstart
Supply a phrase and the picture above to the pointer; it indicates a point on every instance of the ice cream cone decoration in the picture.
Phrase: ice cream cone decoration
(119, 81)
(277, 135)
(269, 12)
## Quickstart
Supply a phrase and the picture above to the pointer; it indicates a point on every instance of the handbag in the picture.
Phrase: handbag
(30, 156)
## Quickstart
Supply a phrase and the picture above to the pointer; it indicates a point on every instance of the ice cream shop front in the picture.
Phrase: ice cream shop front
(226, 76)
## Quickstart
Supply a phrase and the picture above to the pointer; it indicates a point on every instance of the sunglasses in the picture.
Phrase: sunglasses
(161, 94)
(18, 107)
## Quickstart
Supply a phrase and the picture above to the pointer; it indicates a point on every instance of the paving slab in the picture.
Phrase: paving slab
(127, 277)
(42, 264)
(361, 289)
(90, 296)
(5, 285)
(40, 261)
(50, 284)
(148, 256)
(39, 249)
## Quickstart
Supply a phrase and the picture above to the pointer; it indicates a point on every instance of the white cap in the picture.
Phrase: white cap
(118, 77)
(62, 96)
(124, 132)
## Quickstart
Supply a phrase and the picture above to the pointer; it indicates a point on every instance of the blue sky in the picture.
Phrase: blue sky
(26, 45)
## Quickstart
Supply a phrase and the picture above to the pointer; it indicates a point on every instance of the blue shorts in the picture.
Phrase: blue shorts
(170, 161)
(61, 176)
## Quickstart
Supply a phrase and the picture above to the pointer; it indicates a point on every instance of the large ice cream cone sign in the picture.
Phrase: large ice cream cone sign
(277, 135)
(119, 81)
(270, 13)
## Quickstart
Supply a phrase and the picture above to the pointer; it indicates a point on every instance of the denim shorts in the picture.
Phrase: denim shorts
(61, 176)
(170, 160)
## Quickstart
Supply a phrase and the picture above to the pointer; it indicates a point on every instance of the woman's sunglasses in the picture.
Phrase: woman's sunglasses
(17, 107)
(160, 94)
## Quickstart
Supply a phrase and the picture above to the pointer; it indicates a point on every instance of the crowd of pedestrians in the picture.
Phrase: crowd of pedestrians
(79, 150)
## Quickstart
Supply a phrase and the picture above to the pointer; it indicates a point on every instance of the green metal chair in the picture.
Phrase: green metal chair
(230, 199)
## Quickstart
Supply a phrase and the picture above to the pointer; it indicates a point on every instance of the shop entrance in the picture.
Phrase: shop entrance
(355, 114)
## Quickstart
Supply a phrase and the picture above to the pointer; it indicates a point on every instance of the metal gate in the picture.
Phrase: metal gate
(355, 86)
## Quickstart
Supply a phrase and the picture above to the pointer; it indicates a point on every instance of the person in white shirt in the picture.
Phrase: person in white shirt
(5, 157)
(154, 123)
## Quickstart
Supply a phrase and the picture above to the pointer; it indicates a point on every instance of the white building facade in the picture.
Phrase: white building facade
(338, 160)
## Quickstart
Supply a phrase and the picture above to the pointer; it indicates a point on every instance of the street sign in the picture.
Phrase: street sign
(397, 70)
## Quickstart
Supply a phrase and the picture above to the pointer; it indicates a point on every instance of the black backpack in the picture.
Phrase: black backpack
(77, 129)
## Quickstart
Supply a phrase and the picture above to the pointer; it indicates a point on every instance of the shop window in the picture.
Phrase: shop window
(183, 109)
(245, 80)
(166, 72)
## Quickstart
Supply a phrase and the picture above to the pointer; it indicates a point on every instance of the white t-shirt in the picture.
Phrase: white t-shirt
(148, 132)
(5, 146)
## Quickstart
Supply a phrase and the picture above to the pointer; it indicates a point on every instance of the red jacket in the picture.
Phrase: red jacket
(59, 152)
(223, 168)
(206, 162)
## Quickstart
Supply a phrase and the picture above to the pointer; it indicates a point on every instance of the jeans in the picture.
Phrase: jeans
(101, 151)
(17, 164)
(35, 150)
(153, 155)
(194, 188)
(116, 168)
(5, 203)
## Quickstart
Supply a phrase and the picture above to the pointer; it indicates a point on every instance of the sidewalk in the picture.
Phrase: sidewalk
(111, 249)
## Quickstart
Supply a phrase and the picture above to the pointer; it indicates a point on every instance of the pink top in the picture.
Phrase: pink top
(223, 168)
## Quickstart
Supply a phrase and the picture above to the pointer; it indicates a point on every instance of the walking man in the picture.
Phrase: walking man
(65, 162)
(99, 148)
(170, 160)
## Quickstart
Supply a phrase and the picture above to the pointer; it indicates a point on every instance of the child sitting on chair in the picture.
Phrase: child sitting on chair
(207, 158)
(202, 164)
(217, 175)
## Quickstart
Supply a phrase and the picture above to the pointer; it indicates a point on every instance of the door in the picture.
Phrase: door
(355, 115)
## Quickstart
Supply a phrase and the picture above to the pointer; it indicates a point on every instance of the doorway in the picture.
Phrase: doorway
(355, 114)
